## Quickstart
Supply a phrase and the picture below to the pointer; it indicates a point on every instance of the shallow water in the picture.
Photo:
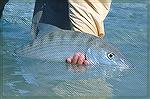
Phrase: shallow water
(126, 27)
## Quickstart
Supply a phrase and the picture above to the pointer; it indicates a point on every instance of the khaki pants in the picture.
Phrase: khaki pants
(88, 15)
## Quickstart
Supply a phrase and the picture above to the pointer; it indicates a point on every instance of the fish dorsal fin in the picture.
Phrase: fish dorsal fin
(44, 28)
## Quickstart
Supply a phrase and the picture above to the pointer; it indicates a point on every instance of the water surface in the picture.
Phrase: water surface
(126, 27)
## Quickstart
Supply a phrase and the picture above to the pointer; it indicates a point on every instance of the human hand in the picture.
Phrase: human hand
(78, 62)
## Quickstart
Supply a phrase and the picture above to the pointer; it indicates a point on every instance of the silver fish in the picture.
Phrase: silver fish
(55, 45)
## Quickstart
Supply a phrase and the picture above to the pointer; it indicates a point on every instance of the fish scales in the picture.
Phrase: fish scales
(55, 44)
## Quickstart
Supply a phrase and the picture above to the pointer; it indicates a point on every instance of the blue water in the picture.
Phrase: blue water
(125, 26)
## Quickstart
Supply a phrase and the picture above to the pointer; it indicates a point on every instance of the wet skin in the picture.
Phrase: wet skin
(78, 61)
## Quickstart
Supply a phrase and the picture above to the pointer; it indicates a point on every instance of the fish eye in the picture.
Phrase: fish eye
(110, 55)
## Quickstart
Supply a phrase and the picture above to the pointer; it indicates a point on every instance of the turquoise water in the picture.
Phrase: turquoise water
(125, 26)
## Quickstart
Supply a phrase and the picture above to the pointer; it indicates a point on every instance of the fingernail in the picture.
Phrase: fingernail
(86, 62)
(79, 53)
(68, 60)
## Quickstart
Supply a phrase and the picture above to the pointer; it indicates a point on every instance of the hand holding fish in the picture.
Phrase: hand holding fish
(78, 58)
(78, 61)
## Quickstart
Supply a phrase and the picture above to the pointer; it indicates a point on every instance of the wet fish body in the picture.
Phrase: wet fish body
(55, 45)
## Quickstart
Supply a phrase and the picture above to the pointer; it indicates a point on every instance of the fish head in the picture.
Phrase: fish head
(105, 54)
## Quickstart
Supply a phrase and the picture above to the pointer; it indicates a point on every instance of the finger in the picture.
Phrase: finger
(78, 53)
(86, 62)
(75, 58)
(81, 59)
(82, 56)
(69, 60)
